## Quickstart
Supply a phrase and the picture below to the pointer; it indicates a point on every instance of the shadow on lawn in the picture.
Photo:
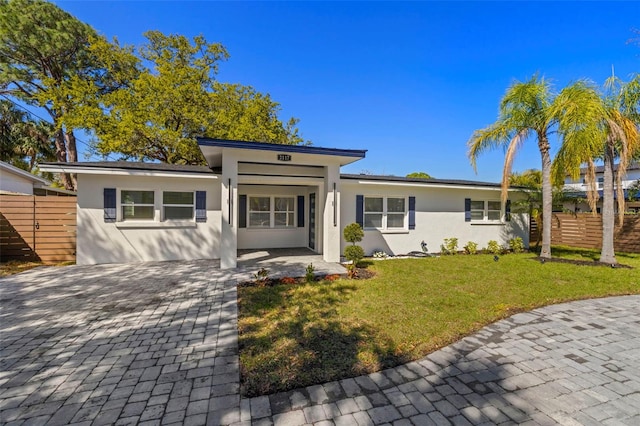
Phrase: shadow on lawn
(293, 337)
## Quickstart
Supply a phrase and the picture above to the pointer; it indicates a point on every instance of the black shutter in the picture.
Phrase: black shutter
(201, 206)
(412, 212)
(300, 211)
(109, 205)
(467, 209)
(242, 211)
(507, 211)
(360, 210)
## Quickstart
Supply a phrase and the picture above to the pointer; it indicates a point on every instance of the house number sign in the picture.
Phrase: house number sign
(284, 157)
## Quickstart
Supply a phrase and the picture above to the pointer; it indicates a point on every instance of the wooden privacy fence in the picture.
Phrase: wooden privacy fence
(34, 227)
(585, 230)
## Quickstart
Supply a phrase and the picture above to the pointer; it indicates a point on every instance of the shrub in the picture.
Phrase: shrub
(493, 247)
(516, 245)
(379, 254)
(309, 275)
(354, 254)
(261, 277)
(450, 246)
(471, 248)
(353, 233)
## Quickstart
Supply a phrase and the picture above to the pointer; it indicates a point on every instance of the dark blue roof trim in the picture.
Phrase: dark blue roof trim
(300, 149)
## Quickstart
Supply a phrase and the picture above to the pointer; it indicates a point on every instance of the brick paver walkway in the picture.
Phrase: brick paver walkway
(156, 343)
(569, 364)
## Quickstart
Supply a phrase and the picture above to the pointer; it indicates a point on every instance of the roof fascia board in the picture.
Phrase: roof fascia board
(124, 172)
(425, 185)
(300, 149)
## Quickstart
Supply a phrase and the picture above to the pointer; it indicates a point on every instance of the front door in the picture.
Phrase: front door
(312, 221)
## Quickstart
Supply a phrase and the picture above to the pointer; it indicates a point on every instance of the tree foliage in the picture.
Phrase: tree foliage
(524, 113)
(154, 100)
(599, 126)
(420, 175)
(24, 141)
(41, 47)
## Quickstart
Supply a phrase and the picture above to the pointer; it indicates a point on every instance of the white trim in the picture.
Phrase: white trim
(152, 224)
(23, 173)
(125, 172)
(422, 185)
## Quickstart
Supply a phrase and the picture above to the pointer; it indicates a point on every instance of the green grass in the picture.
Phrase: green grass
(298, 335)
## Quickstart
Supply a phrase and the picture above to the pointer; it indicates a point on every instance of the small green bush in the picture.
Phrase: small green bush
(261, 277)
(354, 254)
(471, 248)
(353, 233)
(450, 246)
(493, 247)
(516, 245)
(309, 276)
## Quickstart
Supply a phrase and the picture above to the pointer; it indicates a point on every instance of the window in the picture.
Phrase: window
(284, 212)
(137, 205)
(177, 205)
(490, 211)
(600, 183)
(272, 212)
(385, 212)
(260, 212)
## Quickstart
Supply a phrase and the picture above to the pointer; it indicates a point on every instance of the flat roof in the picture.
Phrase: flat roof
(277, 147)
(129, 168)
(424, 181)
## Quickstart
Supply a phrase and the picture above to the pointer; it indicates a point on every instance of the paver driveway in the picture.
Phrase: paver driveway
(156, 343)
(125, 344)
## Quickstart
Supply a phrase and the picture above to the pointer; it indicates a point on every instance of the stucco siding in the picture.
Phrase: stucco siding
(100, 242)
(256, 238)
(439, 214)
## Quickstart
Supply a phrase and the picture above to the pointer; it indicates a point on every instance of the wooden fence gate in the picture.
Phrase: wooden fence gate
(34, 227)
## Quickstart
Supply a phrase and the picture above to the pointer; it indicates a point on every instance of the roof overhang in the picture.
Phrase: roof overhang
(213, 150)
(88, 168)
(37, 181)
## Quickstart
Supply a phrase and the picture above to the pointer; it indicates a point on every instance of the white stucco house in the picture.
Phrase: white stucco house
(578, 189)
(257, 195)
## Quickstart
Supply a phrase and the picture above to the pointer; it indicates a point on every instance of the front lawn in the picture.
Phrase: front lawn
(302, 334)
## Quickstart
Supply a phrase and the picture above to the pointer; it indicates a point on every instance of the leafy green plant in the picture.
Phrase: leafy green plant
(380, 254)
(516, 245)
(353, 233)
(450, 246)
(493, 247)
(471, 248)
(261, 277)
(309, 276)
(354, 254)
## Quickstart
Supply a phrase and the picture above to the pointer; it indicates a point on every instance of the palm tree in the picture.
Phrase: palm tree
(595, 126)
(524, 113)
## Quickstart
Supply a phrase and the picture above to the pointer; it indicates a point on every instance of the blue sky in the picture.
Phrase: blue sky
(410, 82)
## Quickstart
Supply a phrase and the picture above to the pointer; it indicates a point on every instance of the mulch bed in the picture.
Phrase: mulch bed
(581, 262)
(362, 274)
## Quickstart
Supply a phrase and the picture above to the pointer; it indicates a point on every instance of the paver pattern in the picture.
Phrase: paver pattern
(571, 364)
(156, 343)
(152, 343)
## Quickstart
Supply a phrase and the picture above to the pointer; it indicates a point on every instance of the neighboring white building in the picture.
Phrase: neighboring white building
(16, 181)
(258, 195)
(579, 188)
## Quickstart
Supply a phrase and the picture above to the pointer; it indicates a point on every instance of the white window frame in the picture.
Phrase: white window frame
(120, 205)
(486, 210)
(272, 211)
(385, 212)
(192, 205)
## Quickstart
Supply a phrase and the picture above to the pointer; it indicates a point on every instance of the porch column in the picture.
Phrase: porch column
(331, 218)
(229, 206)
